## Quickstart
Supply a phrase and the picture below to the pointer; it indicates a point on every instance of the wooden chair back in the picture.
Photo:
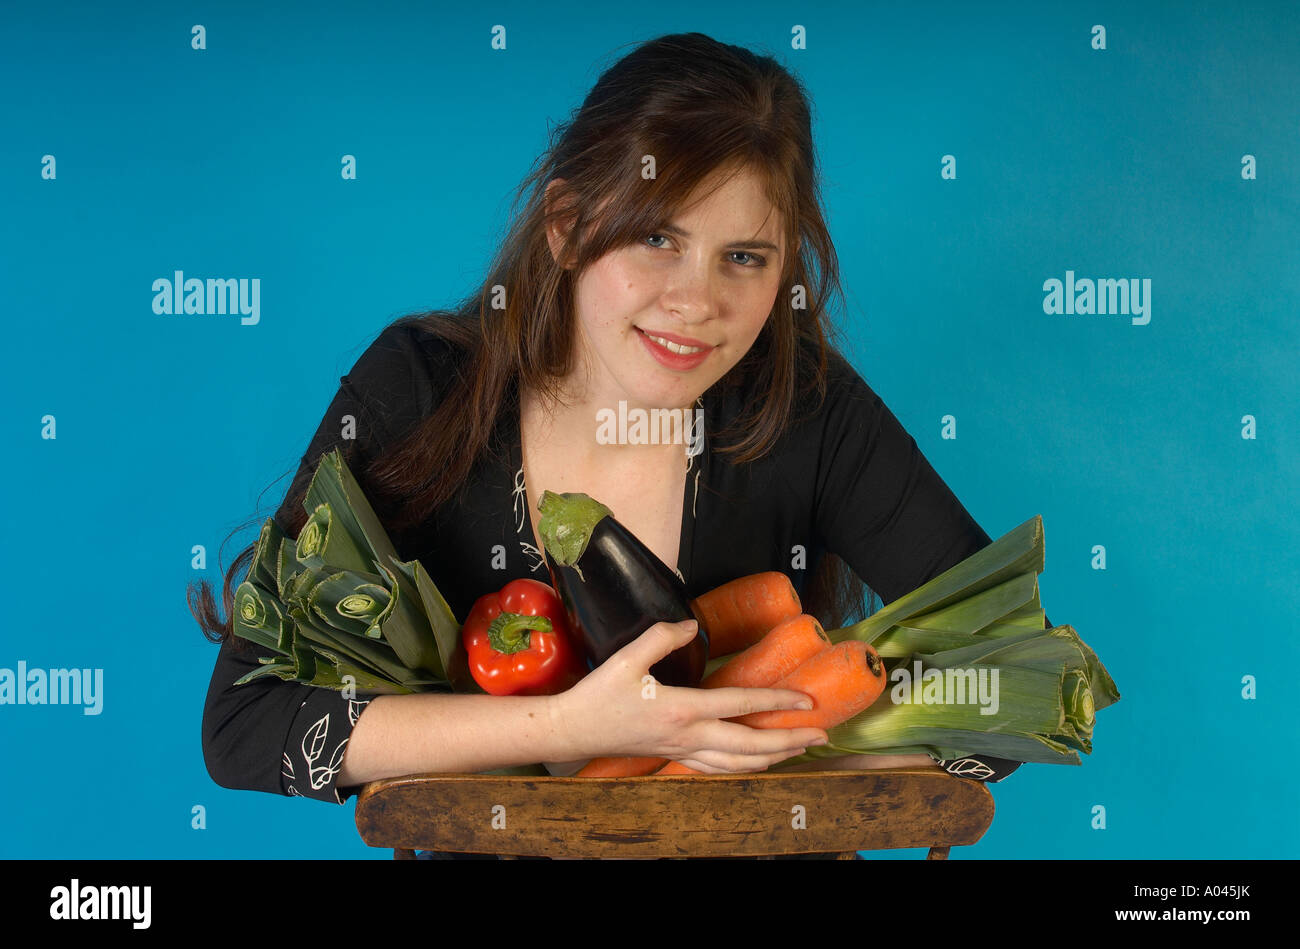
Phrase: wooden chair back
(678, 816)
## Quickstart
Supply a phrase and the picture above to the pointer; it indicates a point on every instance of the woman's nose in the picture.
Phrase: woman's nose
(691, 290)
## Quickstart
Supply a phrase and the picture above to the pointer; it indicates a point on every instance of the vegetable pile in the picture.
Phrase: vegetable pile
(973, 668)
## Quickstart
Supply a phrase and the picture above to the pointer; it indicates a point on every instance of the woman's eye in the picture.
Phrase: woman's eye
(751, 261)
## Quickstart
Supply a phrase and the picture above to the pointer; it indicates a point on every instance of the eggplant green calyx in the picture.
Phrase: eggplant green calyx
(509, 632)
(567, 524)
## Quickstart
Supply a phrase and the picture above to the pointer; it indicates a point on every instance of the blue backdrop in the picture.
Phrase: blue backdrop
(1163, 149)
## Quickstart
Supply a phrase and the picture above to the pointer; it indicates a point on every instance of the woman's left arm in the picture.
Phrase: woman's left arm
(858, 763)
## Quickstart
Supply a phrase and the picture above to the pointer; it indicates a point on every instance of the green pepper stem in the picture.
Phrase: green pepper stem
(510, 632)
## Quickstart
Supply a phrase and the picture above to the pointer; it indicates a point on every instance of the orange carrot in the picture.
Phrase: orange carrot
(619, 767)
(785, 647)
(676, 767)
(737, 614)
(842, 681)
(780, 652)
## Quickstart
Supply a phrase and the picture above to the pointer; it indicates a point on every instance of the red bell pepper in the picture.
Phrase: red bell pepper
(518, 641)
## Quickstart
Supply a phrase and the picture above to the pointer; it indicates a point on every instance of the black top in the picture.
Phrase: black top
(847, 479)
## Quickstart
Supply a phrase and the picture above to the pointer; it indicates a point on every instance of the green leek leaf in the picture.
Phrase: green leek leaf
(324, 545)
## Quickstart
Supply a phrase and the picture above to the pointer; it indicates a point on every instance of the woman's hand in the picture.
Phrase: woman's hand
(620, 709)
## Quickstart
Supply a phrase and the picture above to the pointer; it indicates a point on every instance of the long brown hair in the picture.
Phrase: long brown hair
(702, 110)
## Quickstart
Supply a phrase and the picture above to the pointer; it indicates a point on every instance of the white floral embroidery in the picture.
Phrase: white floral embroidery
(321, 777)
(521, 517)
(313, 745)
(690, 459)
(315, 738)
(968, 768)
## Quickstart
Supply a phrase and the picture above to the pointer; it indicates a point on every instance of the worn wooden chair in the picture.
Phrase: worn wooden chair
(717, 815)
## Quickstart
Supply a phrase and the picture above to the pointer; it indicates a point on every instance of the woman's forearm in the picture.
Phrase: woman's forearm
(438, 732)
(858, 763)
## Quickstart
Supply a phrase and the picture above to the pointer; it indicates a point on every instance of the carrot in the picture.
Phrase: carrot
(785, 647)
(619, 767)
(780, 652)
(737, 614)
(842, 681)
(676, 767)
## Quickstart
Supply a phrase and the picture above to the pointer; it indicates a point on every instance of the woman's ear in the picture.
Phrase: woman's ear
(559, 219)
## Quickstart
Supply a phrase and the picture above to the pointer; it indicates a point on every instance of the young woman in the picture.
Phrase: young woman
(672, 253)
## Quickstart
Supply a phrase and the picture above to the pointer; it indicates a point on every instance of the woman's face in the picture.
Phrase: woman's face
(707, 281)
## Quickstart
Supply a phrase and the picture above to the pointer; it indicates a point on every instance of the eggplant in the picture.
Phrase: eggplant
(613, 586)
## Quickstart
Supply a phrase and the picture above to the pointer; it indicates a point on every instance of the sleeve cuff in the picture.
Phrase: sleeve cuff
(313, 747)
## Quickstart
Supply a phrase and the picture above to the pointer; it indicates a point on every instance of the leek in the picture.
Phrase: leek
(979, 622)
(337, 605)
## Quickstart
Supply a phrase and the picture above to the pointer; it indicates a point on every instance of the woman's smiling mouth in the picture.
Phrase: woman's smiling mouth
(673, 351)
